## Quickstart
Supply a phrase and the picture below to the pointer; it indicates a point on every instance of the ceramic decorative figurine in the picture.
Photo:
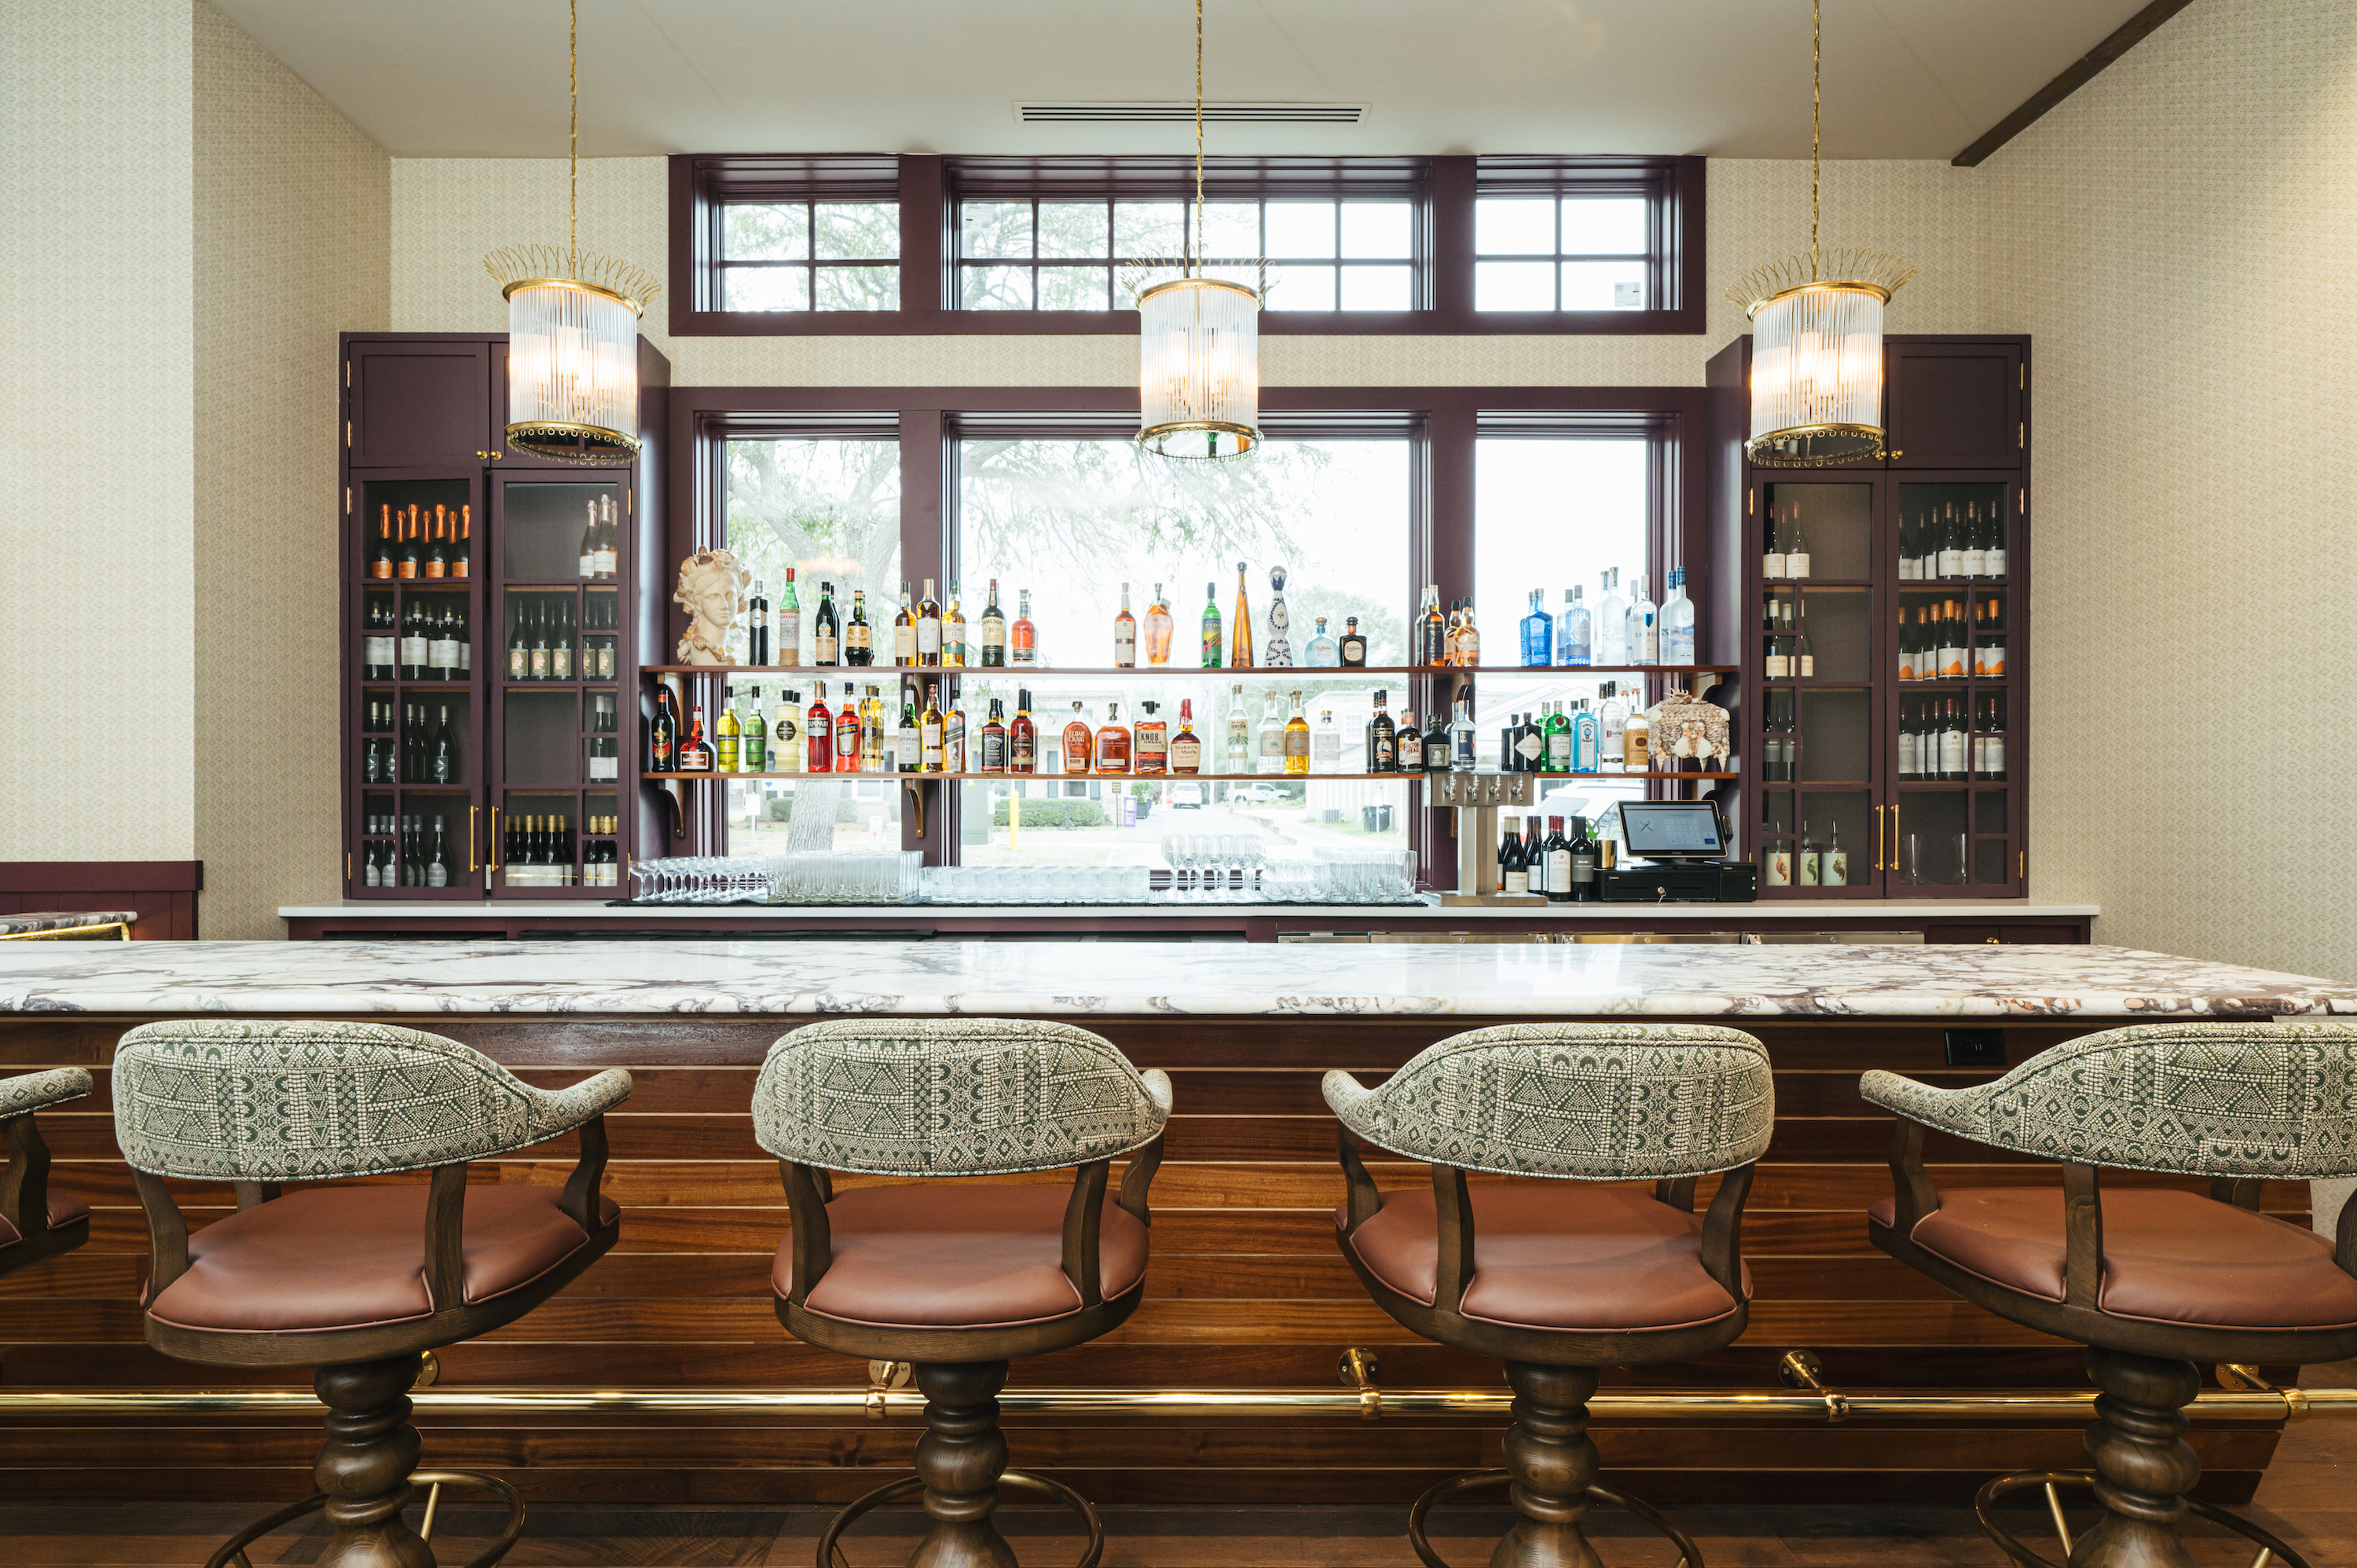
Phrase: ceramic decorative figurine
(1685, 725)
(1279, 654)
(712, 590)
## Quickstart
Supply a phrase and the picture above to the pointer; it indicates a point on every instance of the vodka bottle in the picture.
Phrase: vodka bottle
(1678, 622)
(1612, 623)
(1644, 633)
(1571, 643)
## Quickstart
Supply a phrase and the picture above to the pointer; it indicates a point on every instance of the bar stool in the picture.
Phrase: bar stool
(961, 1278)
(2150, 1279)
(358, 1281)
(35, 1223)
(1556, 1281)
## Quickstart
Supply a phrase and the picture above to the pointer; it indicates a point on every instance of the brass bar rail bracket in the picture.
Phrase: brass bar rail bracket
(916, 802)
(1802, 1370)
(883, 1377)
(2236, 1376)
(1361, 1370)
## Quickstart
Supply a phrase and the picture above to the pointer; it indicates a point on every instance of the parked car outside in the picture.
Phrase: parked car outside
(1186, 797)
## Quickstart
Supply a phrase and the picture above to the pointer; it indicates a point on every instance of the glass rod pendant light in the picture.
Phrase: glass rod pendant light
(1199, 344)
(1816, 332)
(573, 330)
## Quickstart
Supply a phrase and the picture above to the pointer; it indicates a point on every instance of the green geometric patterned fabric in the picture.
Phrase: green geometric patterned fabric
(39, 1090)
(223, 1100)
(2229, 1100)
(1590, 1102)
(953, 1097)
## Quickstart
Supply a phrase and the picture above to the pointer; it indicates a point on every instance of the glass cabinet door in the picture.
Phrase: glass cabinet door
(557, 734)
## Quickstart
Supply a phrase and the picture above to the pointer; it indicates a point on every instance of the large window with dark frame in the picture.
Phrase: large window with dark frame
(803, 254)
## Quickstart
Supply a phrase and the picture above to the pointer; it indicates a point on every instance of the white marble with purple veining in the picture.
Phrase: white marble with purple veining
(1236, 980)
(35, 922)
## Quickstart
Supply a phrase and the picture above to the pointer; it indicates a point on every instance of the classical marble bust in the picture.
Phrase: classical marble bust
(712, 590)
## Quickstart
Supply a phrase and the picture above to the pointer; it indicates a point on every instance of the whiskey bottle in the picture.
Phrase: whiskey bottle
(1296, 739)
(994, 632)
(858, 636)
(1080, 741)
(727, 732)
(954, 753)
(1240, 641)
(930, 731)
(908, 749)
(993, 755)
(904, 632)
(1186, 746)
(1407, 742)
(1436, 745)
(1353, 647)
(1158, 628)
(758, 647)
(1383, 738)
(1214, 644)
(1113, 742)
(1151, 738)
(929, 629)
(1022, 736)
(1024, 638)
(1430, 643)
(1124, 635)
(1468, 640)
(789, 643)
(826, 643)
(954, 652)
(695, 752)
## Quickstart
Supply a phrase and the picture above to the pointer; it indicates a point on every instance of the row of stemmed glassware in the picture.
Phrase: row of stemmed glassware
(698, 879)
(987, 884)
(1215, 867)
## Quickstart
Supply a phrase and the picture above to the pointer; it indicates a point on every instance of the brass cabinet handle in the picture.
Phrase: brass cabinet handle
(494, 851)
(489, 456)
(471, 867)
(1879, 827)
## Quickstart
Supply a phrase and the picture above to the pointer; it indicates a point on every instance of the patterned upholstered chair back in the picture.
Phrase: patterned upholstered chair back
(234, 1100)
(1592, 1101)
(953, 1097)
(30, 1091)
(2214, 1099)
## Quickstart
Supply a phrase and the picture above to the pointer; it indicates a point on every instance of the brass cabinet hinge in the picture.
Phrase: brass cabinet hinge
(2025, 377)
(347, 433)
(348, 868)
(2021, 434)
(1751, 502)
(347, 373)
(348, 501)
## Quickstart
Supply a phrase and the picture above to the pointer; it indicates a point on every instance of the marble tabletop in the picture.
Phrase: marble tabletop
(1224, 979)
(39, 922)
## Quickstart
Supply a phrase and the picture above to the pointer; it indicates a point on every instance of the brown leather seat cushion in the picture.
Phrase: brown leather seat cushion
(349, 1257)
(1563, 1256)
(964, 1254)
(64, 1209)
(2169, 1256)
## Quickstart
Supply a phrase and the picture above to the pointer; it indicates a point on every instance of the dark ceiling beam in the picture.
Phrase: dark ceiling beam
(2084, 69)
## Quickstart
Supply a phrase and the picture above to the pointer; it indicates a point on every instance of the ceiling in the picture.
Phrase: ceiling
(1904, 79)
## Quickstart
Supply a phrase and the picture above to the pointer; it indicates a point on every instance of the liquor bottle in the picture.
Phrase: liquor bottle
(1771, 547)
(442, 652)
(1236, 756)
(436, 563)
(788, 643)
(1124, 635)
(406, 564)
(1804, 861)
(1277, 653)
(1151, 738)
(1186, 746)
(695, 752)
(1448, 633)
(1526, 751)
(1383, 738)
(1796, 546)
(1468, 640)
(1571, 643)
(1353, 648)
(443, 767)
(1611, 623)
(1214, 650)
(726, 732)
(1323, 652)
(1112, 743)
(758, 609)
(955, 654)
(858, 636)
(1240, 643)
(1637, 739)
(1022, 736)
(586, 566)
(953, 750)
(818, 730)
(1557, 852)
(1024, 648)
(904, 632)
(1538, 634)
(850, 732)
(1644, 626)
(1158, 628)
(1678, 622)
(1428, 638)
(876, 743)
(785, 734)
(1586, 885)
(908, 749)
(1587, 741)
(1558, 742)
(826, 643)
(663, 733)
(381, 559)
(1463, 741)
(1513, 871)
(560, 649)
(1269, 749)
(994, 632)
(1832, 864)
(1407, 742)
(1436, 751)
(1296, 739)
(1080, 741)
(932, 745)
(929, 629)
(993, 755)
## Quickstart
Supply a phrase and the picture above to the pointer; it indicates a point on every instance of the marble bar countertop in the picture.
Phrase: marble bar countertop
(39, 922)
(1168, 979)
(1898, 912)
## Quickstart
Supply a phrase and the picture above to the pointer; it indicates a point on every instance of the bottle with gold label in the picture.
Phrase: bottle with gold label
(994, 632)
(904, 631)
(1113, 742)
(1150, 741)
(873, 728)
(1240, 643)
(728, 731)
(1637, 743)
(786, 734)
(929, 730)
(1296, 739)
(953, 649)
(929, 629)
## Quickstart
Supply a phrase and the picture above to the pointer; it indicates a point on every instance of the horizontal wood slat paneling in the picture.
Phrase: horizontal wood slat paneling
(1245, 1290)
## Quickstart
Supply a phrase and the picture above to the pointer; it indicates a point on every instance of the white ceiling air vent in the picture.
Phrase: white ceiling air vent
(1183, 113)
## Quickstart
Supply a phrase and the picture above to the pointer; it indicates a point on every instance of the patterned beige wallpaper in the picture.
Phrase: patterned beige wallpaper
(2179, 236)
(291, 248)
(97, 416)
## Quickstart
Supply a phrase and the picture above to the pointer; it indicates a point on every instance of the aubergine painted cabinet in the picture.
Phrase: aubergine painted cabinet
(1880, 613)
(491, 639)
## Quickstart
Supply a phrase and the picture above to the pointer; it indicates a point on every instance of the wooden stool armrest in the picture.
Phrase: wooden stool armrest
(1137, 1181)
(25, 1184)
(1678, 1192)
(1914, 1195)
(2082, 1237)
(167, 1233)
(1363, 1199)
(1722, 1229)
(446, 1236)
(580, 1199)
(1083, 1224)
(1452, 1211)
(813, 1242)
(2243, 1192)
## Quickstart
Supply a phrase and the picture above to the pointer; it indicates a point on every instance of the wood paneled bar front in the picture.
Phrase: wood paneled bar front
(1246, 1293)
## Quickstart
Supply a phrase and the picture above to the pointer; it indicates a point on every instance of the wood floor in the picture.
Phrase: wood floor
(2308, 1498)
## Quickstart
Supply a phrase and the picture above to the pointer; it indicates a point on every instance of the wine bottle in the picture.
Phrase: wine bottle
(560, 651)
(1587, 885)
(436, 565)
(1513, 871)
(407, 563)
(1559, 868)
(607, 562)
(587, 567)
(443, 766)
